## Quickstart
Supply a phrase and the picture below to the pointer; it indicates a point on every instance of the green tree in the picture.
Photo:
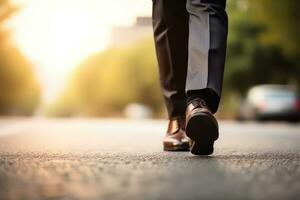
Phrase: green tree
(19, 89)
(249, 60)
(282, 20)
(105, 83)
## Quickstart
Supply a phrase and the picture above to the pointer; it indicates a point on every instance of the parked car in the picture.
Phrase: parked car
(271, 102)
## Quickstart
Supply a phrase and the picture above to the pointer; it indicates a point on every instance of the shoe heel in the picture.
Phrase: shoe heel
(203, 130)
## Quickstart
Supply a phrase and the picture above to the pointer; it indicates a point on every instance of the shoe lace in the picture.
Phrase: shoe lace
(199, 103)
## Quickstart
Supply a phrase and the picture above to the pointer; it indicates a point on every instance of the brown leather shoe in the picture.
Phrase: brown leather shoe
(176, 139)
(201, 127)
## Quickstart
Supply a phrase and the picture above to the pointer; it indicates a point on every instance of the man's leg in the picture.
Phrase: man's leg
(207, 49)
(170, 23)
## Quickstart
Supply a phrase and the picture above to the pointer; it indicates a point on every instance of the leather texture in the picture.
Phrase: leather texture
(175, 138)
(196, 106)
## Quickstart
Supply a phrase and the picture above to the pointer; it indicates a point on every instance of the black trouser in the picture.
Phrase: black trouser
(190, 39)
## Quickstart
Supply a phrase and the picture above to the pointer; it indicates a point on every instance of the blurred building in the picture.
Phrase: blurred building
(122, 36)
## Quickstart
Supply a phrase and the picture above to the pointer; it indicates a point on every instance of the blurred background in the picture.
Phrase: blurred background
(96, 58)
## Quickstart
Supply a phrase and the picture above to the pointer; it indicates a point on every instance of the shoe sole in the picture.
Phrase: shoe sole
(184, 147)
(203, 130)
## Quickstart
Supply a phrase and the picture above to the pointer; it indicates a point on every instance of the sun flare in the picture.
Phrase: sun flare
(56, 35)
(60, 35)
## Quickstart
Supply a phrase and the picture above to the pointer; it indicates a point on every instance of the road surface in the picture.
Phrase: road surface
(123, 159)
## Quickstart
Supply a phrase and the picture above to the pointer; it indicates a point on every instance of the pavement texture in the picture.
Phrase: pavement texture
(123, 159)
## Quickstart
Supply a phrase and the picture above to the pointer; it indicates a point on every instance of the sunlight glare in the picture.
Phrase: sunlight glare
(57, 35)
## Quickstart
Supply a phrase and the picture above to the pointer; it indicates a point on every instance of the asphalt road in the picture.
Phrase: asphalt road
(121, 159)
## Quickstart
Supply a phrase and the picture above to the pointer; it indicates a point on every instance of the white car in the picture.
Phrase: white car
(271, 102)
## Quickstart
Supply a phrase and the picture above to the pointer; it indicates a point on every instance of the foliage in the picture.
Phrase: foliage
(105, 83)
(282, 20)
(250, 61)
(19, 89)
